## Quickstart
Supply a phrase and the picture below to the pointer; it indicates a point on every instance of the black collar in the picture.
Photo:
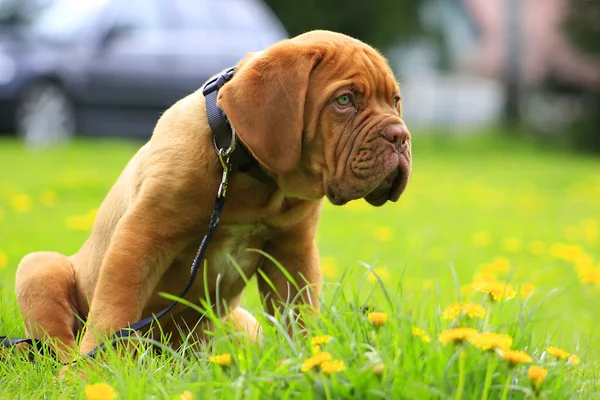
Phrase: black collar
(223, 133)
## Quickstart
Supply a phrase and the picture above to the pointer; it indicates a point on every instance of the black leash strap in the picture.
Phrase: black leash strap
(220, 128)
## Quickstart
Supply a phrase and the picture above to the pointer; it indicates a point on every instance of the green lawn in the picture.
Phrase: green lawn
(479, 209)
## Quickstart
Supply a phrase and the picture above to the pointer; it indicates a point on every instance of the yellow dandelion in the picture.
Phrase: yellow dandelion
(536, 376)
(456, 335)
(21, 203)
(420, 333)
(318, 340)
(356, 205)
(100, 391)
(3, 260)
(558, 353)
(382, 233)
(452, 311)
(186, 396)
(377, 318)
(561, 354)
(82, 222)
(378, 369)
(48, 198)
(315, 361)
(329, 367)
(591, 276)
(537, 248)
(527, 289)
(500, 265)
(427, 284)
(486, 275)
(511, 244)
(573, 359)
(224, 360)
(473, 310)
(329, 267)
(514, 357)
(491, 340)
(468, 308)
(381, 273)
(497, 290)
(482, 239)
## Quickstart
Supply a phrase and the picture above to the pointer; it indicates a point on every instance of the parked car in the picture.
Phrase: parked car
(110, 67)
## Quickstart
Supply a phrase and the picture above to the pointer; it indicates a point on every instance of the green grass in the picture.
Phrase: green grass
(477, 206)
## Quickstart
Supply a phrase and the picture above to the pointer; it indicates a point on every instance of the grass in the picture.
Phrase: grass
(479, 209)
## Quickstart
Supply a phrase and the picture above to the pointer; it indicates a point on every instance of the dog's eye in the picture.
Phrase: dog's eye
(344, 100)
(396, 101)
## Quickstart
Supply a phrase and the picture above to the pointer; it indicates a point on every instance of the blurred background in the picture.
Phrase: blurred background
(109, 67)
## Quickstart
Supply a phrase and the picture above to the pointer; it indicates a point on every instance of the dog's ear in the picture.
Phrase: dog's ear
(265, 99)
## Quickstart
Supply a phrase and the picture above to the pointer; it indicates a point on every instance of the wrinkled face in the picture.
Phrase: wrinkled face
(356, 107)
(321, 112)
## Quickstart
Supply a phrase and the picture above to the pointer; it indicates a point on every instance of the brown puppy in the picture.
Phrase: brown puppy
(320, 112)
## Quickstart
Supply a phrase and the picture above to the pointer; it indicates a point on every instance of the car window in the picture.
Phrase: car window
(232, 15)
(65, 19)
(138, 14)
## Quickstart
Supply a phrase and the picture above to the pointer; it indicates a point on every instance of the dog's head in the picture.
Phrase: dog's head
(322, 113)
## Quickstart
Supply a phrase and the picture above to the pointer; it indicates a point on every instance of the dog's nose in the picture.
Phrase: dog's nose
(397, 134)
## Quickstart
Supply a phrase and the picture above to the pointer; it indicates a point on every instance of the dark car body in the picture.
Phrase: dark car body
(120, 63)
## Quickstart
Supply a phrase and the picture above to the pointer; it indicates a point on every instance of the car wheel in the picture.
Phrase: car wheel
(45, 115)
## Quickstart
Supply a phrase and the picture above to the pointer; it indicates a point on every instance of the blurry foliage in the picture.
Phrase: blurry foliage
(583, 27)
(380, 23)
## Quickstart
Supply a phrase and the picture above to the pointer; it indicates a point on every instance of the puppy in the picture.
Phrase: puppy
(320, 113)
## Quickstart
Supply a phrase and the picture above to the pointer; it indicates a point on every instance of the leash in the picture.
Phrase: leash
(224, 138)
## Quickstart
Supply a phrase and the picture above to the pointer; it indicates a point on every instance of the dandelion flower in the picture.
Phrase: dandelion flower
(82, 222)
(561, 354)
(558, 353)
(186, 396)
(378, 369)
(21, 203)
(2, 260)
(380, 272)
(319, 340)
(452, 311)
(332, 366)
(537, 248)
(377, 318)
(482, 239)
(456, 335)
(382, 233)
(497, 290)
(527, 289)
(573, 359)
(491, 340)
(315, 361)
(514, 357)
(420, 333)
(100, 391)
(329, 267)
(511, 244)
(224, 360)
(469, 309)
(536, 376)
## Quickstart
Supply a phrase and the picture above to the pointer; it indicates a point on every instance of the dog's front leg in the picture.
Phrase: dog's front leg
(296, 252)
(141, 249)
